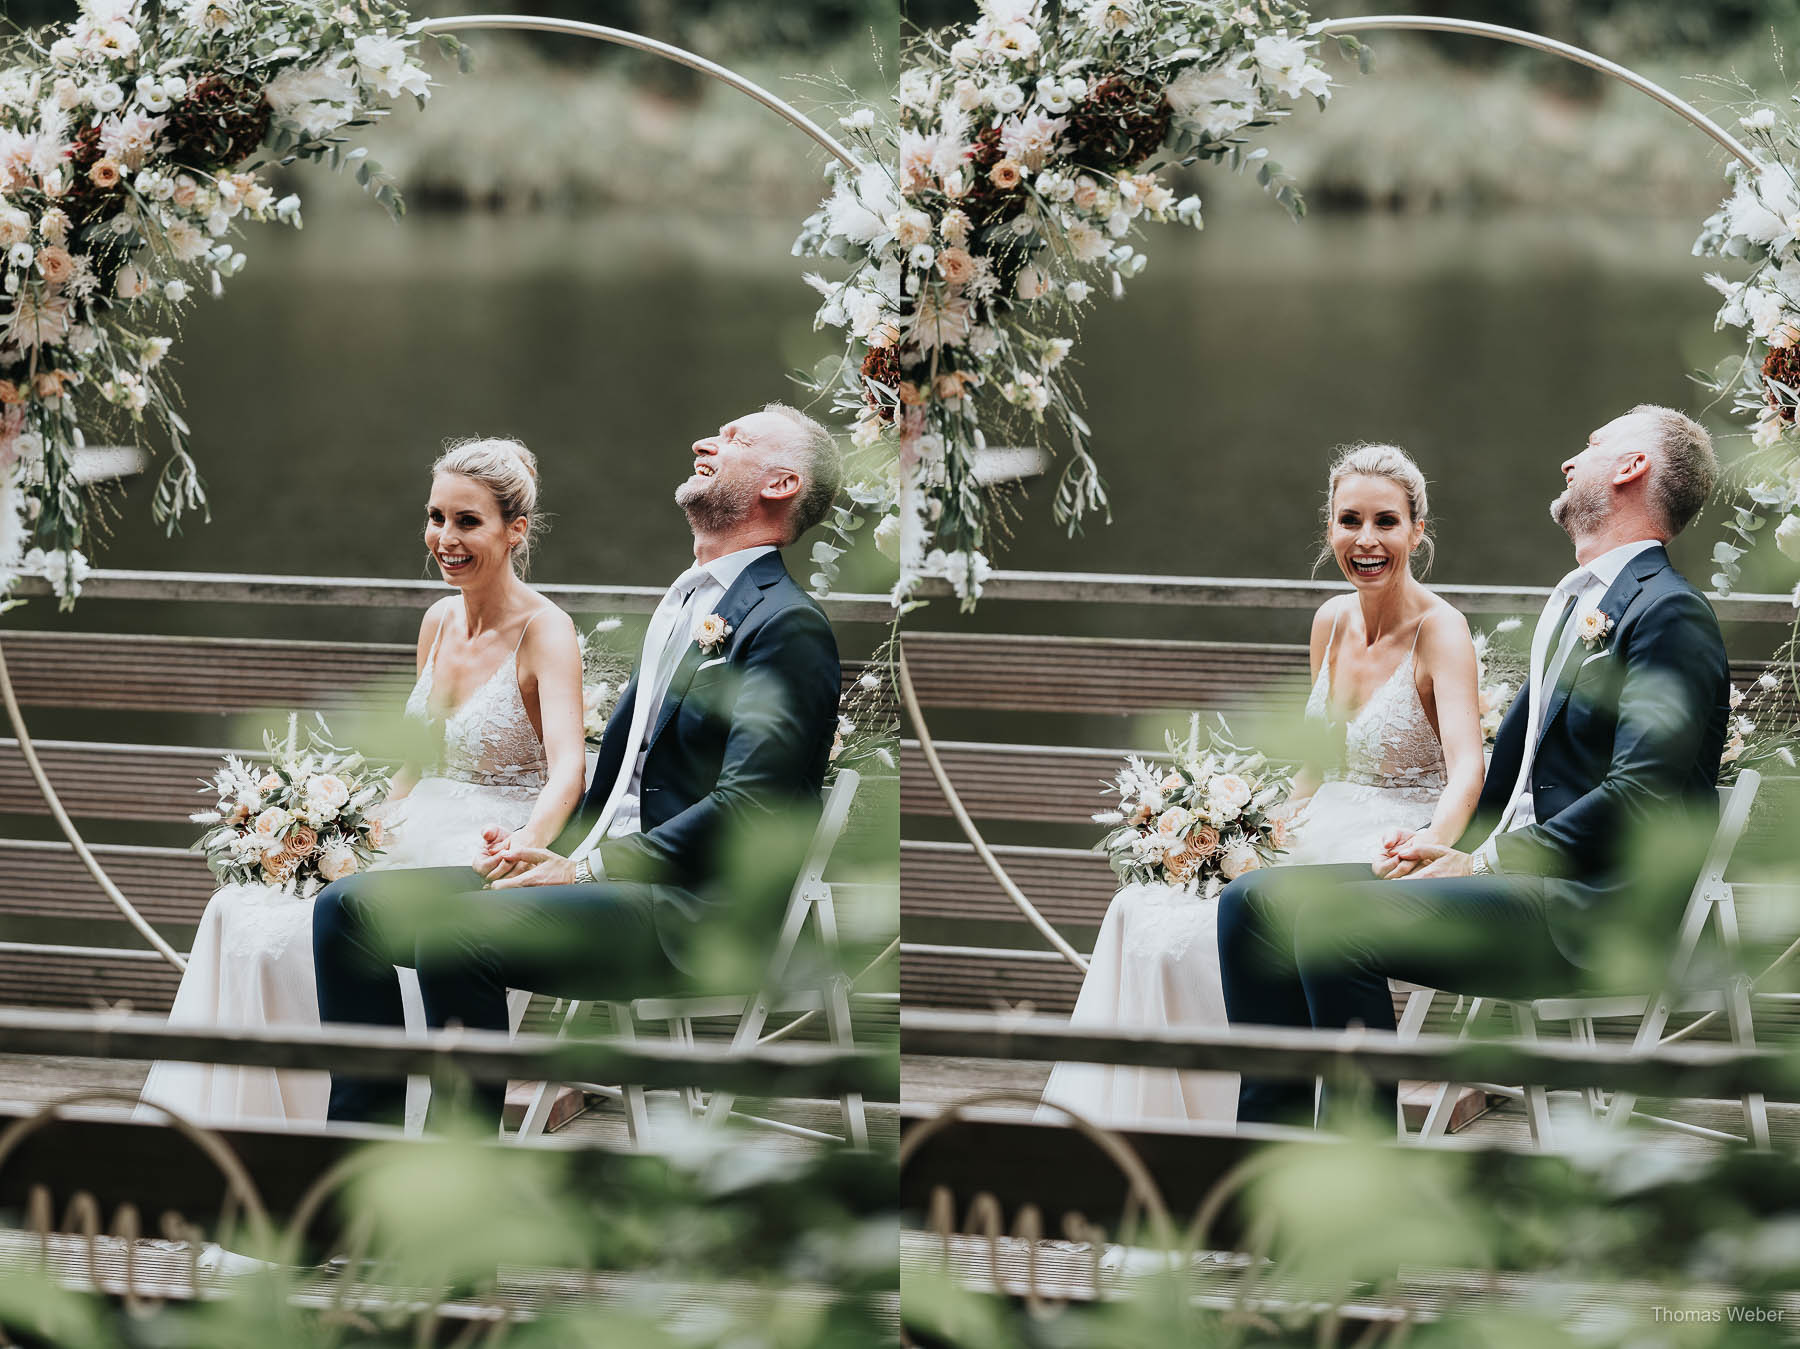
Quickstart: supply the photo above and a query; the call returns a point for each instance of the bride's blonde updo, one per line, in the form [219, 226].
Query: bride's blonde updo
[509, 471]
[1381, 461]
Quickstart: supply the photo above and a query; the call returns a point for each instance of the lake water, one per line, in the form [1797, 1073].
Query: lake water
[1487, 346]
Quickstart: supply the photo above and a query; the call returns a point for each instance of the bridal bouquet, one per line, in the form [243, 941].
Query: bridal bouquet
[1212, 814]
[300, 821]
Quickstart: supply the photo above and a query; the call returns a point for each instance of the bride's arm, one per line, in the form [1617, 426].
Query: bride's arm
[551, 657]
[403, 781]
[1448, 655]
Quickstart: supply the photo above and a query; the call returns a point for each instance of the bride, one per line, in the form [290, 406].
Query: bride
[1394, 709]
[499, 697]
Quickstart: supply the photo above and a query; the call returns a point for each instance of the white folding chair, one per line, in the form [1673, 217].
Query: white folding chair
[810, 898]
[1711, 900]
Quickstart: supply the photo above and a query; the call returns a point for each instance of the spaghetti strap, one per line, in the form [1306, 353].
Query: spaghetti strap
[1416, 632]
[522, 631]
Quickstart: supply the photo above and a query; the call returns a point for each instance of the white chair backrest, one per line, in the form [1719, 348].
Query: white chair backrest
[1735, 802]
[832, 818]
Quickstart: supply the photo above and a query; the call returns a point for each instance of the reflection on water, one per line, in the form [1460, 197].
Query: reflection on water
[324, 382]
[1488, 347]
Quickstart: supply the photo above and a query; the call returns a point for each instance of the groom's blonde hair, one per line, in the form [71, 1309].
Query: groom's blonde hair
[1684, 469]
[1363, 460]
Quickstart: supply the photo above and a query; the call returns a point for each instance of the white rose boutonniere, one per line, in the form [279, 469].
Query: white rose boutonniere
[1593, 628]
[710, 633]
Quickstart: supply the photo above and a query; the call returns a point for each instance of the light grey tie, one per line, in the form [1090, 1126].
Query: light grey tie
[663, 642]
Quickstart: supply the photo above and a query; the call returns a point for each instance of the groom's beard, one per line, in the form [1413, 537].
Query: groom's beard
[715, 505]
[1581, 510]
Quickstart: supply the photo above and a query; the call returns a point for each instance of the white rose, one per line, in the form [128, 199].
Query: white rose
[1787, 536]
[337, 860]
[1238, 858]
[271, 822]
[177, 291]
[131, 282]
[1078, 291]
[106, 97]
[1228, 793]
[327, 793]
[1031, 283]
[1006, 98]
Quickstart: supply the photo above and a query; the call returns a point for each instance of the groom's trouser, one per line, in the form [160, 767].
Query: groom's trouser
[1316, 946]
[469, 946]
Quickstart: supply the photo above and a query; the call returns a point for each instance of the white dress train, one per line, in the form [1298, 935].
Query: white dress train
[1156, 961]
[251, 963]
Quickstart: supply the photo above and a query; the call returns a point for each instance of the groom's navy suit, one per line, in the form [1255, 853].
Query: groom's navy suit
[1624, 800]
[734, 760]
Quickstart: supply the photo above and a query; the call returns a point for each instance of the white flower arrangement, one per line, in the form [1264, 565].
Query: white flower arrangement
[1498, 675]
[132, 145]
[1028, 155]
[1212, 814]
[306, 819]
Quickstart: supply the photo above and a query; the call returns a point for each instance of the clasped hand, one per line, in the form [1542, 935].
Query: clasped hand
[1415, 853]
[507, 865]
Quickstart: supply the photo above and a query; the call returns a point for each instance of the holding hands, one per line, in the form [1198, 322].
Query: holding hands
[507, 862]
[1417, 853]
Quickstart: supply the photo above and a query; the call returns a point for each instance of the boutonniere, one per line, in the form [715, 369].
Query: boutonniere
[710, 633]
[1593, 628]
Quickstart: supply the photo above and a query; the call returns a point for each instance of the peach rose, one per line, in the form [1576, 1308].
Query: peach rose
[956, 265]
[56, 264]
[302, 840]
[270, 781]
[10, 393]
[326, 795]
[1239, 858]
[1174, 820]
[1006, 175]
[104, 173]
[377, 833]
[278, 866]
[1087, 192]
[272, 821]
[337, 861]
[51, 384]
[1203, 842]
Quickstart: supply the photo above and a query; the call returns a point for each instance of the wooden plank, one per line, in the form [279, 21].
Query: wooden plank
[119, 1161]
[1246, 592]
[1085, 675]
[1034, 783]
[223, 675]
[1686, 1069]
[108, 583]
[803, 1071]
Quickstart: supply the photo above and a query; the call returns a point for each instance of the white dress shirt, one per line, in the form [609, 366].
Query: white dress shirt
[721, 574]
[1588, 584]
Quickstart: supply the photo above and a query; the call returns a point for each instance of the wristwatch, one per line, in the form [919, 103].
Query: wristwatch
[584, 874]
[1478, 865]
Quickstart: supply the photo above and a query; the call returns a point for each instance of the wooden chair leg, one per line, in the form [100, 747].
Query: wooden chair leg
[637, 1108]
[1737, 1012]
[681, 1031]
[837, 1018]
[1443, 1105]
[1537, 1100]
[1581, 1030]
[543, 1097]
[1412, 1019]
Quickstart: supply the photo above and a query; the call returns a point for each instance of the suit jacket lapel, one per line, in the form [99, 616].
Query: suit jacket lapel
[1613, 605]
[744, 595]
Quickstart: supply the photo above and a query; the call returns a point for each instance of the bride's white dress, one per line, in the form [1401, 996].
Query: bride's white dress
[1156, 961]
[251, 963]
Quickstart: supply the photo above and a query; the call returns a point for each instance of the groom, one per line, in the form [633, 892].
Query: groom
[718, 745]
[1598, 804]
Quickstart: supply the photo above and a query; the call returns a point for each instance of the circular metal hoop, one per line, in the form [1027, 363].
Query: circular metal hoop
[1330, 28]
[519, 22]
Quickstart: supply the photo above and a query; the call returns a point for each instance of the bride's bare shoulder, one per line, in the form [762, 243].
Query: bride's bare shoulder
[1445, 629]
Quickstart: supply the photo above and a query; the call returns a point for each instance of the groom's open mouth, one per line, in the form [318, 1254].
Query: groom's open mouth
[702, 469]
[1370, 566]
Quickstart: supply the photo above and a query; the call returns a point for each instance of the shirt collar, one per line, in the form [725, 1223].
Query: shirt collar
[726, 569]
[1605, 569]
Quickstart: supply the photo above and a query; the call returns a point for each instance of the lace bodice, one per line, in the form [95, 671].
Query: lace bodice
[1389, 742]
[489, 740]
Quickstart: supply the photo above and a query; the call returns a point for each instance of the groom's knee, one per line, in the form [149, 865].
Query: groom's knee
[1240, 915]
[335, 918]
